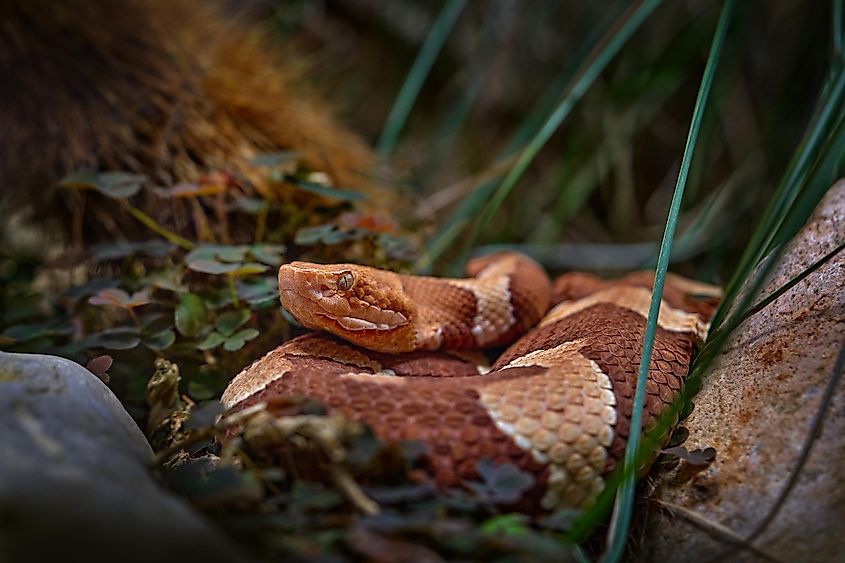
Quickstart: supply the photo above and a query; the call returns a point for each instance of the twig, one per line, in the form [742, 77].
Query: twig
[150, 223]
[351, 490]
[717, 529]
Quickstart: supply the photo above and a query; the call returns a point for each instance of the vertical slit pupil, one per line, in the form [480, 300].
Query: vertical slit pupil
[345, 281]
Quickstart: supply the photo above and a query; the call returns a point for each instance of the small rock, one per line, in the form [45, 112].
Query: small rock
[75, 483]
[755, 407]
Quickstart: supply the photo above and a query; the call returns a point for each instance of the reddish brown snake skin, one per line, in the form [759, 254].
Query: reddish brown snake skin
[557, 401]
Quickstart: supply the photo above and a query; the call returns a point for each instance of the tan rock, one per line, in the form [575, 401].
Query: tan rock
[756, 407]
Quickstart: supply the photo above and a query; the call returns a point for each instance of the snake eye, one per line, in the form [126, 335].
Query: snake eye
[345, 281]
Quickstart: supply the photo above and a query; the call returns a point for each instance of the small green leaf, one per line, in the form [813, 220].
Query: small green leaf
[237, 340]
[159, 340]
[312, 235]
[122, 249]
[327, 234]
[191, 316]
[170, 280]
[262, 292]
[119, 184]
[88, 288]
[212, 267]
[231, 253]
[506, 524]
[230, 321]
[113, 296]
[116, 297]
[270, 254]
[249, 268]
[221, 252]
[25, 332]
[500, 483]
[112, 184]
[213, 340]
[119, 338]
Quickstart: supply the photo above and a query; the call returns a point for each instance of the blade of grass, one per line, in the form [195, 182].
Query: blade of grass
[820, 174]
[418, 73]
[718, 337]
[623, 508]
[820, 177]
[575, 192]
[477, 73]
[631, 22]
[470, 205]
[706, 227]
[836, 32]
[787, 190]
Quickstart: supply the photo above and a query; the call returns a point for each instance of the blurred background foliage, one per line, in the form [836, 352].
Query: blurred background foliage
[606, 176]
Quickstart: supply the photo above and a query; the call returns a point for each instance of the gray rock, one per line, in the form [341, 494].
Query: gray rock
[756, 407]
[74, 477]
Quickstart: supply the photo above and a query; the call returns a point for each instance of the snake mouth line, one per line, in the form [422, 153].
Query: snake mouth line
[355, 324]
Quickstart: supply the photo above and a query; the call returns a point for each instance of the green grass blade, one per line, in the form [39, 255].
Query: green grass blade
[623, 508]
[537, 116]
[836, 39]
[418, 73]
[788, 189]
[563, 109]
[463, 214]
[822, 175]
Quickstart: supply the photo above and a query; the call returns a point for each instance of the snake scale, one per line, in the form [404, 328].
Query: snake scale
[556, 403]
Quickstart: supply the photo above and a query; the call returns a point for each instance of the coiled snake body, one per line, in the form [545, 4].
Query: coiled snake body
[557, 402]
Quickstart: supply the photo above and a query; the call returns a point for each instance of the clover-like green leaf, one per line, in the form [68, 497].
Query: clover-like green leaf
[501, 483]
[212, 266]
[191, 315]
[31, 331]
[239, 339]
[270, 254]
[327, 234]
[229, 322]
[159, 340]
[118, 338]
[232, 259]
[116, 250]
[213, 340]
[170, 280]
[117, 297]
[249, 268]
[221, 252]
[118, 185]
[260, 292]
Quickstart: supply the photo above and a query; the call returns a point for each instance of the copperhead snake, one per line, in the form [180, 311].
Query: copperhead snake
[556, 403]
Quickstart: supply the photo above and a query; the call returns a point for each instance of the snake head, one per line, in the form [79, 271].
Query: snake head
[362, 305]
